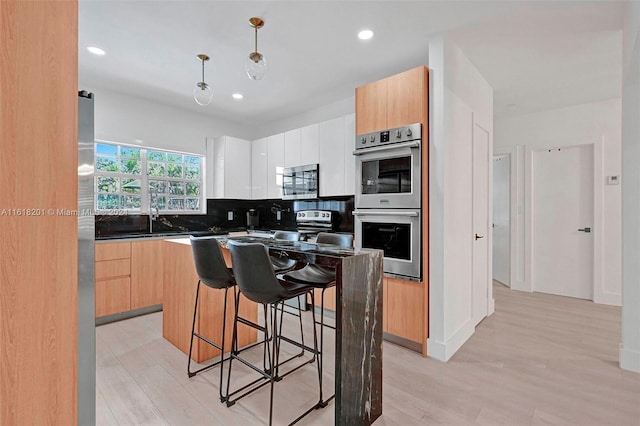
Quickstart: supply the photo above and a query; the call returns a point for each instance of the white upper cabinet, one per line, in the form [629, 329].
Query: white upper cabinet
[258, 169]
[226, 168]
[310, 152]
[349, 158]
[275, 164]
[292, 148]
[332, 146]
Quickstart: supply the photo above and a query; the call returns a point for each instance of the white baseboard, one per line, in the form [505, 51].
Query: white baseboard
[520, 286]
[629, 359]
[443, 351]
[608, 299]
[492, 306]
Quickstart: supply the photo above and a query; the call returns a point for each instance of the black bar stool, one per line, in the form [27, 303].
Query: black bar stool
[321, 277]
[257, 281]
[212, 272]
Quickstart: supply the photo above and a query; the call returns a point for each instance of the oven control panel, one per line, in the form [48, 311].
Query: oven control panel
[408, 133]
[314, 216]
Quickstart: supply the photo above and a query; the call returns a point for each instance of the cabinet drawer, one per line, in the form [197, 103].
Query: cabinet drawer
[109, 251]
[404, 308]
[113, 268]
[113, 296]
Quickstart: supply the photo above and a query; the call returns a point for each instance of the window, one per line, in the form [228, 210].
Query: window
[143, 179]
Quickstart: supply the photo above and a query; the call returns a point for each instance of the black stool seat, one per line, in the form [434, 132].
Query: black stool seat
[313, 275]
[282, 264]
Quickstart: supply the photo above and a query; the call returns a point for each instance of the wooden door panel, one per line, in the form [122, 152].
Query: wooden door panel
[405, 309]
[112, 296]
[147, 273]
[371, 107]
[406, 97]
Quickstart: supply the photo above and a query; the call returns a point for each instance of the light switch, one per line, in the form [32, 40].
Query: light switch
[230, 215]
[278, 215]
[613, 180]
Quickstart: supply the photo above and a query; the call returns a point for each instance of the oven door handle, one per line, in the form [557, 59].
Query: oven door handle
[412, 144]
[382, 213]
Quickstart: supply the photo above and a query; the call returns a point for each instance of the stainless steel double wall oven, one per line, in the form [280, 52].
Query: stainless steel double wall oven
[388, 197]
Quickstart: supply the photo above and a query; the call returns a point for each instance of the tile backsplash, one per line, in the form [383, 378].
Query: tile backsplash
[229, 215]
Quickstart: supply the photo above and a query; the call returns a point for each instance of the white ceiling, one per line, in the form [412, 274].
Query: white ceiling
[535, 54]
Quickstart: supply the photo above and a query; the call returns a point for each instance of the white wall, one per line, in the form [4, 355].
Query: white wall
[126, 119]
[459, 98]
[595, 123]
[630, 347]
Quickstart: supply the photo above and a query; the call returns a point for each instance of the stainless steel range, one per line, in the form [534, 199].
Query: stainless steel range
[310, 222]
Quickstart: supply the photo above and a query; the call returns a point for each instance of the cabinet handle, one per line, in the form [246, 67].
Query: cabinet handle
[479, 236]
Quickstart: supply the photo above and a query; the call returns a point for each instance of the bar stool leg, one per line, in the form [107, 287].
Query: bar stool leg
[193, 329]
[234, 340]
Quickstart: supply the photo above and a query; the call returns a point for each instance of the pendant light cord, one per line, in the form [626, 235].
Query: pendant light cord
[256, 50]
[203, 83]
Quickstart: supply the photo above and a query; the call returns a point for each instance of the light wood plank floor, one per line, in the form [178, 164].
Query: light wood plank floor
[538, 360]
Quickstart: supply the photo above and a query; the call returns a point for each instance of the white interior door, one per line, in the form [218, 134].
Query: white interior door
[480, 223]
[562, 221]
[501, 225]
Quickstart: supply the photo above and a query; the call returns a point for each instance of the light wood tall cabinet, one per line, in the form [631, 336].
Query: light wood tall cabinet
[396, 101]
[39, 254]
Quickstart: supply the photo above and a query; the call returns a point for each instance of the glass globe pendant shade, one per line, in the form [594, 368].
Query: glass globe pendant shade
[202, 94]
[256, 66]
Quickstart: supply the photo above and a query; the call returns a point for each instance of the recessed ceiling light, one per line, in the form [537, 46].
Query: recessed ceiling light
[237, 96]
[96, 50]
[365, 34]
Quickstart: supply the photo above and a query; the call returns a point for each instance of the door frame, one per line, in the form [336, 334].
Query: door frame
[598, 188]
[512, 203]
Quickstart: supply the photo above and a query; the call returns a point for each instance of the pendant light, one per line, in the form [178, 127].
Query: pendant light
[202, 94]
[256, 62]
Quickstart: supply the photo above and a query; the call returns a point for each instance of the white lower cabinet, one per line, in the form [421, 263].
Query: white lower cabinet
[227, 175]
[258, 169]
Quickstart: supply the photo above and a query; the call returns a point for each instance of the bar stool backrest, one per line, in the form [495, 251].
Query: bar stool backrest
[343, 240]
[254, 273]
[287, 235]
[210, 265]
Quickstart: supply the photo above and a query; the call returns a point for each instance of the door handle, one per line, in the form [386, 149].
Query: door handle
[479, 236]
[586, 229]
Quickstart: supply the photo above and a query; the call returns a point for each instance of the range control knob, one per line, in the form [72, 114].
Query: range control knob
[398, 134]
[409, 133]
[372, 138]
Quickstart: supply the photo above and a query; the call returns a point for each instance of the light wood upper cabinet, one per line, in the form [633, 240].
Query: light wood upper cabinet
[371, 107]
[227, 175]
[394, 101]
[259, 169]
[147, 273]
[406, 97]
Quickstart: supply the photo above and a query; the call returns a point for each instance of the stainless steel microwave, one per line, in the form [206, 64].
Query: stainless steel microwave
[300, 183]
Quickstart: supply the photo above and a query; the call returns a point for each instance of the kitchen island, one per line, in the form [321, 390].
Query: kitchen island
[359, 290]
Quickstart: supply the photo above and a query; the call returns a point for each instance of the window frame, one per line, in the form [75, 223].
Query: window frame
[145, 205]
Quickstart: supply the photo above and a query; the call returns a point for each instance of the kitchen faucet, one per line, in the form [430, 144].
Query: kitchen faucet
[153, 194]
